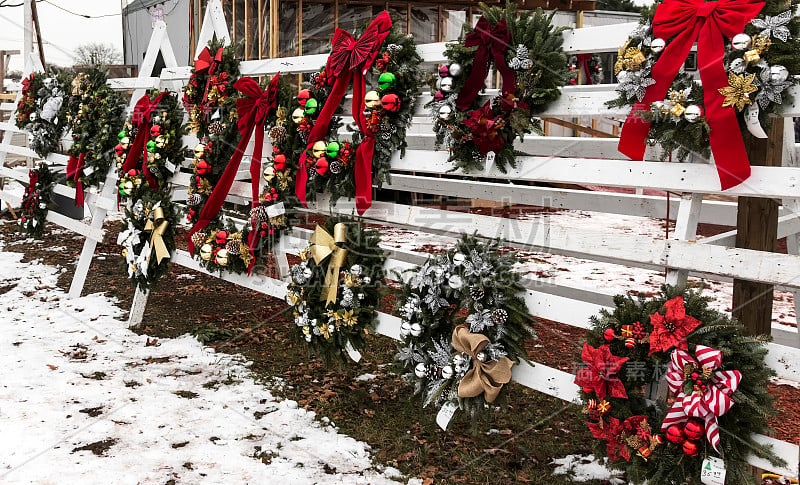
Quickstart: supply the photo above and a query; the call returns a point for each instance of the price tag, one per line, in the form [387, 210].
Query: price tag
[489, 164]
[713, 471]
[88, 171]
[276, 210]
[446, 414]
[170, 166]
[751, 120]
[353, 353]
[34, 222]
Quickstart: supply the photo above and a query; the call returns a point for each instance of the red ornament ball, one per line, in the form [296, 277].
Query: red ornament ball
[693, 429]
[119, 149]
[630, 342]
[279, 162]
[674, 434]
[391, 102]
[608, 334]
[303, 96]
[691, 448]
[203, 167]
[132, 172]
[155, 130]
[321, 166]
[222, 237]
[444, 71]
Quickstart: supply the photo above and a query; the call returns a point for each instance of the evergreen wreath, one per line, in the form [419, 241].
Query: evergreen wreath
[464, 324]
[591, 65]
[96, 116]
[336, 288]
[642, 429]
[37, 200]
[760, 63]
[533, 67]
[42, 109]
[393, 84]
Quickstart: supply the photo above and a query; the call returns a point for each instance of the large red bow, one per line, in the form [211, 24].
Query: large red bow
[350, 58]
[253, 110]
[75, 172]
[706, 404]
[492, 43]
[142, 117]
[206, 63]
[708, 23]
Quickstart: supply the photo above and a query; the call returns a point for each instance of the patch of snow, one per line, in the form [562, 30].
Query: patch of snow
[582, 468]
[84, 400]
[55, 249]
[366, 377]
[780, 381]
[185, 276]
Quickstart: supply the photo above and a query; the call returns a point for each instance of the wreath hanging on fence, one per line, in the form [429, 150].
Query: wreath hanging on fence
[464, 326]
[383, 59]
[525, 49]
[96, 116]
[42, 109]
[715, 379]
[589, 65]
[336, 288]
[745, 82]
[36, 200]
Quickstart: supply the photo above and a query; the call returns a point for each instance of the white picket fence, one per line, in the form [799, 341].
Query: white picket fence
[562, 160]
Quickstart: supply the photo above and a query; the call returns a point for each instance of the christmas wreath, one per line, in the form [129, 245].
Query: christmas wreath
[388, 62]
[714, 378]
[336, 288]
[525, 48]
[464, 326]
[591, 65]
[42, 109]
[744, 79]
[96, 116]
[36, 200]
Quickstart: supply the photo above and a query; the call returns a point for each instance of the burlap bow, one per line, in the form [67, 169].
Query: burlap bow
[157, 226]
[485, 377]
[324, 246]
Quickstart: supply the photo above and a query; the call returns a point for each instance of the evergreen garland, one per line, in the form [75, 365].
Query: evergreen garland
[37, 200]
[42, 110]
[334, 329]
[389, 112]
[638, 361]
[96, 116]
[678, 122]
[472, 284]
[539, 64]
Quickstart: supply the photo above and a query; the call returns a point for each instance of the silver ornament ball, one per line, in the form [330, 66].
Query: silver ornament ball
[481, 356]
[447, 372]
[455, 282]
[405, 329]
[741, 41]
[420, 370]
[693, 113]
[455, 69]
[778, 73]
[416, 330]
[658, 45]
[459, 258]
[445, 112]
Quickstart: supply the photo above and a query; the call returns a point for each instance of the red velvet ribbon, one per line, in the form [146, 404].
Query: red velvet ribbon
[708, 23]
[583, 63]
[492, 44]
[350, 58]
[206, 63]
[75, 172]
[253, 110]
[142, 118]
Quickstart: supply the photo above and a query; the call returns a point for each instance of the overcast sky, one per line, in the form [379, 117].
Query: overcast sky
[63, 32]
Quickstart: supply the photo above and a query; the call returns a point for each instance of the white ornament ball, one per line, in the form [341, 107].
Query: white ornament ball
[741, 42]
[447, 372]
[405, 329]
[455, 69]
[778, 73]
[693, 113]
[33, 116]
[308, 338]
[416, 330]
[445, 112]
[622, 76]
[367, 280]
[43, 206]
[481, 356]
[458, 360]
[658, 45]
[446, 84]
[459, 258]
[356, 269]
[455, 282]
[420, 370]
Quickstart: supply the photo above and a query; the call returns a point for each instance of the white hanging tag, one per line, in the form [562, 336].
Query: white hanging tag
[713, 471]
[446, 414]
[489, 164]
[751, 120]
[170, 166]
[34, 222]
[276, 210]
[88, 171]
[352, 352]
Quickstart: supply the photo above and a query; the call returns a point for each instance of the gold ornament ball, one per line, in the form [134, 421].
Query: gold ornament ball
[222, 257]
[297, 116]
[318, 149]
[205, 252]
[125, 142]
[160, 141]
[269, 173]
[128, 187]
[199, 150]
[372, 99]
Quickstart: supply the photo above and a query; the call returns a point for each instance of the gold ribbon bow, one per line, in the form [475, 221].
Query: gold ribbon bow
[157, 226]
[323, 246]
[485, 377]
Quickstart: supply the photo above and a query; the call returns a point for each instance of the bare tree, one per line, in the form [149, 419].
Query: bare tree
[97, 53]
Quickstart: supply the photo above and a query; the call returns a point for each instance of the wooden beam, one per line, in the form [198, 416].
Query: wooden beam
[246, 30]
[35, 15]
[577, 127]
[260, 29]
[757, 228]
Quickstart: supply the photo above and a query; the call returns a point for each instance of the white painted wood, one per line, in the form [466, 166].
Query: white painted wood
[214, 24]
[685, 230]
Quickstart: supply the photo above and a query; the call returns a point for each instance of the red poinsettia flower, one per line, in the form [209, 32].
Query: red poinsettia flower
[484, 127]
[600, 373]
[672, 329]
[611, 431]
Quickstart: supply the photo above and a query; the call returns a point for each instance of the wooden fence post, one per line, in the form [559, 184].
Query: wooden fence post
[757, 228]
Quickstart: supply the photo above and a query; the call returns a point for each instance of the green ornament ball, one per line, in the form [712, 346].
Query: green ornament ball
[122, 134]
[386, 81]
[151, 146]
[332, 150]
[310, 107]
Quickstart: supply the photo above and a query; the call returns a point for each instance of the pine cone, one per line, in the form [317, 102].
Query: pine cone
[277, 134]
[216, 128]
[259, 214]
[476, 293]
[499, 316]
[198, 239]
[194, 199]
[234, 246]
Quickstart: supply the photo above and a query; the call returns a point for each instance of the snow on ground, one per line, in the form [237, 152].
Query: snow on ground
[607, 278]
[84, 400]
[582, 468]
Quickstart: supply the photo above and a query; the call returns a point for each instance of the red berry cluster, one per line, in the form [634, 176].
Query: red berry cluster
[382, 63]
[321, 80]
